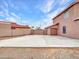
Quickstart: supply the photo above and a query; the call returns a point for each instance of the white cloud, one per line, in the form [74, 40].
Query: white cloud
[14, 15]
[63, 2]
[1, 13]
[11, 19]
[25, 22]
[46, 6]
[46, 22]
[4, 8]
[56, 12]
[53, 14]
[5, 3]
[43, 23]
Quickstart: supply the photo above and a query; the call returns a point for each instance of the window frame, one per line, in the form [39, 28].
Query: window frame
[64, 30]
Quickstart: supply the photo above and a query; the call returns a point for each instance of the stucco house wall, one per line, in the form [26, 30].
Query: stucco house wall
[51, 30]
[72, 28]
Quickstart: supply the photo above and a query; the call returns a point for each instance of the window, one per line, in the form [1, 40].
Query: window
[66, 14]
[64, 29]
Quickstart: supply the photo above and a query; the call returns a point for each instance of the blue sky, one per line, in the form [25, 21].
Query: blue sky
[32, 12]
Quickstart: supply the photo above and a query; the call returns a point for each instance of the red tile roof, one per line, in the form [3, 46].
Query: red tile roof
[14, 25]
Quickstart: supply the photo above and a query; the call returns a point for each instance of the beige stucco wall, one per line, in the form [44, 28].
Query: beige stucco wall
[45, 31]
[77, 0]
[38, 32]
[5, 29]
[27, 31]
[39, 53]
[71, 25]
[49, 31]
[17, 32]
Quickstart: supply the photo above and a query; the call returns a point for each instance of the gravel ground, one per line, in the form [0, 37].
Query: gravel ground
[39, 53]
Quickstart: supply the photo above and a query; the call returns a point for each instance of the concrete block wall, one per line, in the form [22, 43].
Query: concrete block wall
[49, 31]
[45, 31]
[38, 32]
[27, 31]
[5, 30]
[17, 32]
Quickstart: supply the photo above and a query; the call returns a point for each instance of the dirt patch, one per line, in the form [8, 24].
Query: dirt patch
[39, 53]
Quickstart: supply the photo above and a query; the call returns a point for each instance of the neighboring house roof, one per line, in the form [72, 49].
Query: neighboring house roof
[14, 25]
[66, 9]
[52, 26]
[48, 27]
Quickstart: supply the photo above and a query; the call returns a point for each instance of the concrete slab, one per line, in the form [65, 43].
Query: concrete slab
[39, 41]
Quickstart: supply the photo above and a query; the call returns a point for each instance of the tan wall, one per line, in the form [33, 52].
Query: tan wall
[5, 30]
[39, 53]
[27, 31]
[45, 31]
[77, 0]
[49, 31]
[38, 32]
[17, 32]
[71, 25]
